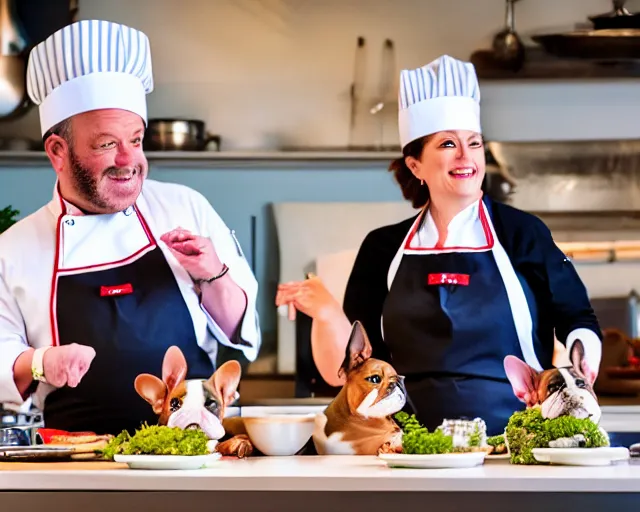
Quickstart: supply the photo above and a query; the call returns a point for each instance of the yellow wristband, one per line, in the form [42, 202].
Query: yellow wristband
[37, 367]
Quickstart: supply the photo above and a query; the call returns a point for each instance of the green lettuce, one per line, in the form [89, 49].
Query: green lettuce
[528, 429]
[158, 440]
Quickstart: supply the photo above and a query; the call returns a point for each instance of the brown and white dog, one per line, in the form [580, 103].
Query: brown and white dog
[565, 391]
[195, 403]
[359, 419]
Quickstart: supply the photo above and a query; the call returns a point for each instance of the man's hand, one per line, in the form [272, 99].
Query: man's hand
[195, 253]
[67, 364]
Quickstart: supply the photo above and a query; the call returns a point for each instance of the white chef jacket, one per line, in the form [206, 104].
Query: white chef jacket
[27, 253]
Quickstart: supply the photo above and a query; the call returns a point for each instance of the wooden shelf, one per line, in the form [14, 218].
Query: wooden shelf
[539, 65]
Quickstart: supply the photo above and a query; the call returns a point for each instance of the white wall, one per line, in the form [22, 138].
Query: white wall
[268, 72]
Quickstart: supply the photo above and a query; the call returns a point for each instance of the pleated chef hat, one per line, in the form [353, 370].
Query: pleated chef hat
[443, 95]
[89, 65]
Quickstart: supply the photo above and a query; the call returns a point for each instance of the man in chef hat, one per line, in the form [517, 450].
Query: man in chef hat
[116, 268]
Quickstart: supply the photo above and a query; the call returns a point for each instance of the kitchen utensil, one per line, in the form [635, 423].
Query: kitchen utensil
[609, 44]
[357, 88]
[508, 49]
[178, 135]
[14, 100]
[387, 76]
[619, 17]
[40, 452]
[386, 80]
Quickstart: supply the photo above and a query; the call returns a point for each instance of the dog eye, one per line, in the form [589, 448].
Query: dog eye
[580, 383]
[374, 379]
[211, 405]
[553, 388]
[175, 404]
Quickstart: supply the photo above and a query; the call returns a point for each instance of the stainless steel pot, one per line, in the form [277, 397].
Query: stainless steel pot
[178, 135]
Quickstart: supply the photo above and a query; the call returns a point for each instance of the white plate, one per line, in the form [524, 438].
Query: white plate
[444, 460]
[603, 456]
[167, 461]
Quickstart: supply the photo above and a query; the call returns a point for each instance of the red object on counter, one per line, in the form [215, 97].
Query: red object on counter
[44, 435]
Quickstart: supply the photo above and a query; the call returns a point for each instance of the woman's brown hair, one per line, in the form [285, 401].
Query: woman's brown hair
[412, 189]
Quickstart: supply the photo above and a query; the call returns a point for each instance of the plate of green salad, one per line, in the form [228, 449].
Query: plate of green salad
[161, 447]
[454, 444]
[532, 439]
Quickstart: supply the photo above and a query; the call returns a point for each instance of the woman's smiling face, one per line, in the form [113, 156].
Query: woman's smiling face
[452, 165]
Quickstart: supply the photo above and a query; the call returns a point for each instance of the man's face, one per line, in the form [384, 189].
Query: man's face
[105, 164]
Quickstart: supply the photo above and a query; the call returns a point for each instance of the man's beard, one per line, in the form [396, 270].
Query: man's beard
[86, 183]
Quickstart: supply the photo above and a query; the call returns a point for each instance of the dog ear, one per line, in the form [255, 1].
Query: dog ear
[225, 381]
[358, 348]
[174, 368]
[576, 356]
[153, 390]
[523, 378]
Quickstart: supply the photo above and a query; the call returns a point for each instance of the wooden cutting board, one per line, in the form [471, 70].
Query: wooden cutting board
[55, 466]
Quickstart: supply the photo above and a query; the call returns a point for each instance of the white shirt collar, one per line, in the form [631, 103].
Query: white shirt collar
[464, 230]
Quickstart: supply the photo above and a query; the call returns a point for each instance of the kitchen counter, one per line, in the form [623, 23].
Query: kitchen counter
[321, 483]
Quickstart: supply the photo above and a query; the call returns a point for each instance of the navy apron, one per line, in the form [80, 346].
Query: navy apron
[130, 313]
[448, 324]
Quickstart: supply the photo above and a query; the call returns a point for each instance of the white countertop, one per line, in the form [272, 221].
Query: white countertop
[335, 473]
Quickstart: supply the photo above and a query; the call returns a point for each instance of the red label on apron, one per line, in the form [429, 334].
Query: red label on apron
[111, 291]
[460, 279]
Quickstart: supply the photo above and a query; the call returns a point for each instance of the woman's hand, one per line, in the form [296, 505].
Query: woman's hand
[310, 297]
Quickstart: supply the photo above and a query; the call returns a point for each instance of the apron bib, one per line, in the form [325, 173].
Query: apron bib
[448, 323]
[129, 309]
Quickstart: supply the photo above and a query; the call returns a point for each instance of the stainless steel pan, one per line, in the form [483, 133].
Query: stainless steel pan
[178, 135]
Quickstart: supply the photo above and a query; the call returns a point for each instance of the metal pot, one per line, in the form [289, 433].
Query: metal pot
[178, 135]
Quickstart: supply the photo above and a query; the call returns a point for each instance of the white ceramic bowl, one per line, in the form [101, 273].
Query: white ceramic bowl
[279, 434]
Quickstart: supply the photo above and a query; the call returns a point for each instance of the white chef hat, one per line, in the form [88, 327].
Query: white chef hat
[89, 65]
[443, 95]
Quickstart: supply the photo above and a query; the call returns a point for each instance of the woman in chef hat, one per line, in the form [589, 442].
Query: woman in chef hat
[446, 295]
